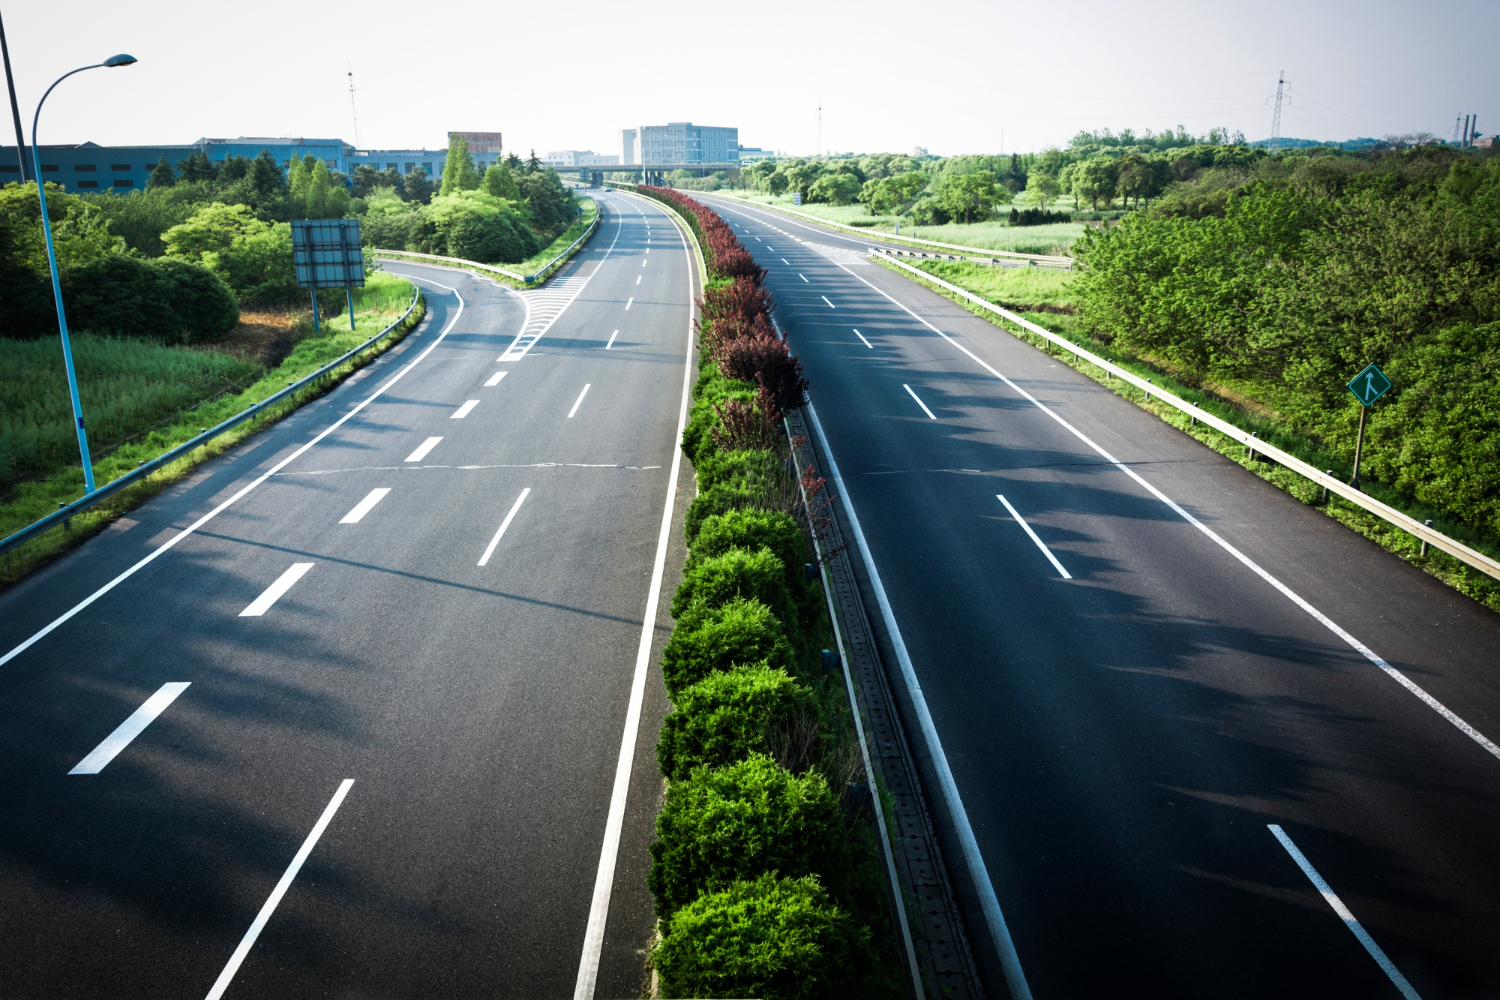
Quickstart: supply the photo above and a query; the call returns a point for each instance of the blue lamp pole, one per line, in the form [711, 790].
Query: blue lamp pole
[62, 319]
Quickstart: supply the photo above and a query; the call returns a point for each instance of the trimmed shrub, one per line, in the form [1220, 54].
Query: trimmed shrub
[697, 437]
[738, 821]
[747, 467]
[747, 528]
[716, 500]
[739, 573]
[729, 715]
[774, 938]
[161, 299]
[706, 640]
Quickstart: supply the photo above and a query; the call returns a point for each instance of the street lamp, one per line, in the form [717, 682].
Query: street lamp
[62, 320]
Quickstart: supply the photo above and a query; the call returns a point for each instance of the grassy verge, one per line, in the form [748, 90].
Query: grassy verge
[1054, 239]
[376, 307]
[1045, 299]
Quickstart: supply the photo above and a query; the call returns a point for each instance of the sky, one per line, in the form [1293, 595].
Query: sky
[953, 76]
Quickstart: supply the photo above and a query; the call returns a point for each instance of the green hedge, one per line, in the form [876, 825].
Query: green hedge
[749, 529]
[738, 821]
[773, 938]
[162, 299]
[739, 573]
[731, 714]
[739, 632]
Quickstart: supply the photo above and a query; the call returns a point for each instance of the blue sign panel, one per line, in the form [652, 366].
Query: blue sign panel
[327, 253]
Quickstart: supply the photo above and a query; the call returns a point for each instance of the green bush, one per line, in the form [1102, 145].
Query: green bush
[729, 715]
[738, 821]
[747, 528]
[697, 438]
[773, 938]
[717, 499]
[708, 639]
[738, 573]
[162, 299]
[746, 465]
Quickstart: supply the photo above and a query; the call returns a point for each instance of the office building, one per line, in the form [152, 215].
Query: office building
[684, 142]
[627, 146]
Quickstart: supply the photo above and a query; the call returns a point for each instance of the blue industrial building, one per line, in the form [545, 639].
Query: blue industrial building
[89, 168]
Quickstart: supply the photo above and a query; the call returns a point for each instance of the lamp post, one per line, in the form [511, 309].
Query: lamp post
[62, 319]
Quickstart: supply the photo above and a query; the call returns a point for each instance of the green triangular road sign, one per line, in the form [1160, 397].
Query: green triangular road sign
[1369, 385]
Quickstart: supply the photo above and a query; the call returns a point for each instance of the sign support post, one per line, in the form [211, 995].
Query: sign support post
[1368, 386]
[328, 253]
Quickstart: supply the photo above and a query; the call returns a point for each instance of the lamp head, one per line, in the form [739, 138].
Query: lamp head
[120, 60]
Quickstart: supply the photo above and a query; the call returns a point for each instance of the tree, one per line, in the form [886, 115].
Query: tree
[325, 198]
[1067, 179]
[1095, 179]
[893, 195]
[969, 197]
[533, 163]
[298, 176]
[514, 162]
[835, 189]
[162, 175]
[1135, 177]
[552, 206]
[1044, 188]
[501, 182]
[458, 169]
[416, 187]
[197, 167]
[368, 180]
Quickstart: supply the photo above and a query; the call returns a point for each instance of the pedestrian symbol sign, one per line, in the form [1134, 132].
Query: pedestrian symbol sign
[1369, 385]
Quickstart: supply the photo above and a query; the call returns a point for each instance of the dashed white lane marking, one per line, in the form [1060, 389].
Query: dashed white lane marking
[803, 277]
[273, 593]
[1045, 551]
[489, 549]
[130, 728]
[930, 415]
[825, 299]
[494, 379]
[579, 401]
[465, 410]
[627, 303]
[1332, 899]
[264, 916]
[611, 340]
[638, 278]
[423, 449]
[365, 506]
[789, 264]
[862, 337]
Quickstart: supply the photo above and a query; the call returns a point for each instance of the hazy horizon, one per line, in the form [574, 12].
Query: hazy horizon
[1019, 79]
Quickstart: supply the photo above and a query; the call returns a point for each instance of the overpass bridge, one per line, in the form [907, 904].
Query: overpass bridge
[650, 173]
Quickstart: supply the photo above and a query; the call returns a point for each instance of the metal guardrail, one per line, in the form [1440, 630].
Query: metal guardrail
[1364, 501]
[527, 279]
[146, 468]
[1050, 260]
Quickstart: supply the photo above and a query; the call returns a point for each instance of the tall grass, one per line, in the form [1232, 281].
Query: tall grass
[152, 415]
[1021, 289]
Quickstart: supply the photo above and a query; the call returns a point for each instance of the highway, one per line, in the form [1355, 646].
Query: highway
[342, 713]
[1203, 741]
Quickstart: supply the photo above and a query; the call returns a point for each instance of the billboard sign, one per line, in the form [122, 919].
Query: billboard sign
[326, 253]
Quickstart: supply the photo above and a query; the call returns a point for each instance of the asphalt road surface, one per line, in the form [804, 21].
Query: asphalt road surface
[391, 654]
[1172, 698]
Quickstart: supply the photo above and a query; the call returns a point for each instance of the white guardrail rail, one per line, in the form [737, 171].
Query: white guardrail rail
[1048, 260]
[527, 279]
[1411, 525]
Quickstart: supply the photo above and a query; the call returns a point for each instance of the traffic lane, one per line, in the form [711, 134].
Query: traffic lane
[1356, 583]
[1386, 692]
[343, 679]
[1401, 613]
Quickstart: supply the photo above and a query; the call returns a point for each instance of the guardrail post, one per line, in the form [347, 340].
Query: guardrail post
[1427, 523]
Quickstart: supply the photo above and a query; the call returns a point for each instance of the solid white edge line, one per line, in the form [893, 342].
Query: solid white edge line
[1411, 686]
[923, 405]
[1010, 961]
[132, 727]
[276, 590]
[465, 410]
[862, 337]
[825, 299]
[611, 342]
[1039, 544]
[1344, 914]
[489, 549]
[192, 528]
[593, 938]
[494, 380]
[365, 506]
[423, 449]
[261, 918]
[579, 401]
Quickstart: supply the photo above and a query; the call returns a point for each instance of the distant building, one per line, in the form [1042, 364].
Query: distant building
[578, 158]
[684, 142]
[89, 168]
[628, 146]
[748, 153]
